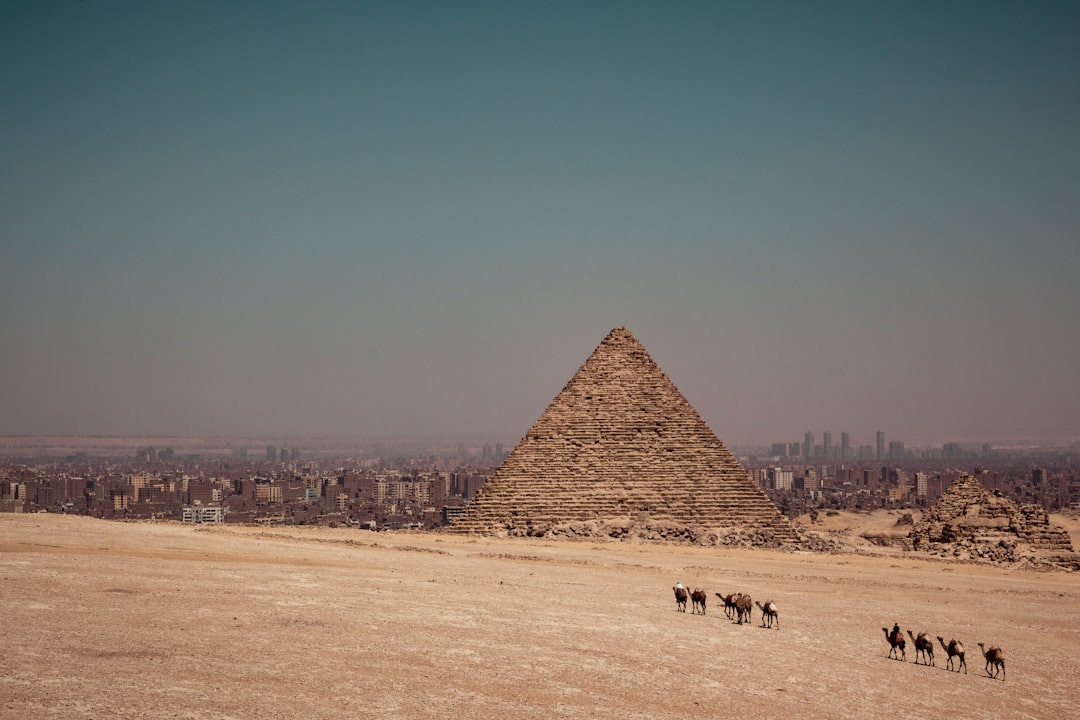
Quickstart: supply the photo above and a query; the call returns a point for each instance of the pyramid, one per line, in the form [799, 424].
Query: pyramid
[621, 453]
[970, 522]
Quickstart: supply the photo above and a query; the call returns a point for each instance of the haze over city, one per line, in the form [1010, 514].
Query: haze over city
[418, 220]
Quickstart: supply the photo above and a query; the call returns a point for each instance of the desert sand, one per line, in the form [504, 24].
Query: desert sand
[161, 620]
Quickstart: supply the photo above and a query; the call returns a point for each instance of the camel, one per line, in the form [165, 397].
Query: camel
[995, 657]
[680, 598]
[768, 610]
[924, 646]
[729, 604]
[698, 598]
[955, 649]
[743, 607]
[896, 640]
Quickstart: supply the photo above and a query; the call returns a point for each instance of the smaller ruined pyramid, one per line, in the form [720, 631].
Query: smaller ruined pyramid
[970, 522]
[621, 453]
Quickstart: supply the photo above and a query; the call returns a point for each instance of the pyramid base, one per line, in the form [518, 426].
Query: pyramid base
[656, 531]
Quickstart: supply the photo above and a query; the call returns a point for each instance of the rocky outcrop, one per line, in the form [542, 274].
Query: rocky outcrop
[620, 453]
[970, 522]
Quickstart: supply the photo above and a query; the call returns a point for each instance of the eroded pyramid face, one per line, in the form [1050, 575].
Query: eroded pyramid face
[620, 446]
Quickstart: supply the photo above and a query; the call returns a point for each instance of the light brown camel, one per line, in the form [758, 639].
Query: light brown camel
[995, 657]
[769, 611]
[698, 598]
[897, 642]
[743, 607]
[924, 646]
[955, 649]
[680, 598]
[729, 604]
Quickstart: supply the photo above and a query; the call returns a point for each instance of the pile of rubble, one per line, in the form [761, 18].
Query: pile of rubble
[659, 531]
[969, 522]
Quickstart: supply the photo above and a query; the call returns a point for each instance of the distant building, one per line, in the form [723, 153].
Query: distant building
[780, 479]
[267, 492]
[450, 513]
[922, 484]
[200, 514]
[880, 445]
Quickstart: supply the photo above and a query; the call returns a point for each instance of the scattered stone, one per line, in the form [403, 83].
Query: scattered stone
[970, 522]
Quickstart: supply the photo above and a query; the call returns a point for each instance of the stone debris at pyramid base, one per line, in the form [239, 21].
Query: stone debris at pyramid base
[656, 532]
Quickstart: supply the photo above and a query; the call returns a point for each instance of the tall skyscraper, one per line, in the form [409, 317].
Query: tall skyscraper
[880, 445]
[826, 445]
[845, 446]
[808, 445]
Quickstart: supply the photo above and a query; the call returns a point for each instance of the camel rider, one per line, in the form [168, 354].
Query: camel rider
[679, 586]
[896, 630]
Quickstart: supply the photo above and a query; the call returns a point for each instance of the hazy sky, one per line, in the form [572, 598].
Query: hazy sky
[365, 219]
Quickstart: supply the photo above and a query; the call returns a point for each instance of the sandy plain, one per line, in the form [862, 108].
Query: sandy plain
[160, 620]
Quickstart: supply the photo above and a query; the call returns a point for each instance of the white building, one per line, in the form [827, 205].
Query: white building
[199, 514]
[781, 479]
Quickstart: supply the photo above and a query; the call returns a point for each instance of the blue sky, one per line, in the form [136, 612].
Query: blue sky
[418, 219]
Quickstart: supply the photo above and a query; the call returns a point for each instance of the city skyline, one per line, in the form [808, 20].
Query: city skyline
[267, 220]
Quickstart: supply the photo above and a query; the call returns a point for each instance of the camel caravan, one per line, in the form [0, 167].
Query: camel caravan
[738, 607]
[954, 650]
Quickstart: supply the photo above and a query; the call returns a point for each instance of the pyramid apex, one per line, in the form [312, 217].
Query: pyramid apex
[621, 333]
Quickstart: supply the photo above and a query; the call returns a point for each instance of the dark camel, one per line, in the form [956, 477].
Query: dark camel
[995, 657]
[680, 598]
[698, 598]
[896, 640]
[924, 646]
[955, 649]
[729, 604]
[743, 607]
[769, 611]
